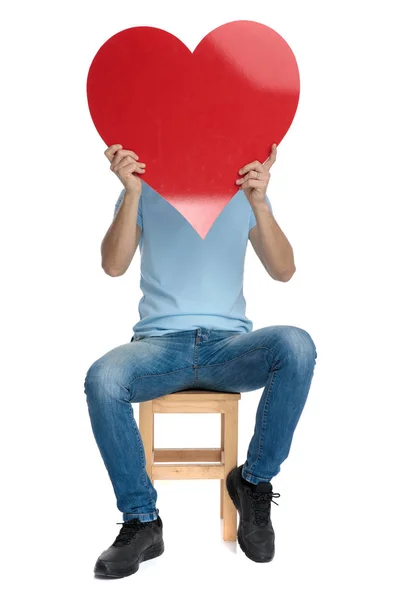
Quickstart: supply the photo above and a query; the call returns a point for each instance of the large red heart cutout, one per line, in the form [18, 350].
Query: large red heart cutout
[195, 118]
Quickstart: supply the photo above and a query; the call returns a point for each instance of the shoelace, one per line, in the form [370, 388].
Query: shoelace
[129, 531]
[262, 505]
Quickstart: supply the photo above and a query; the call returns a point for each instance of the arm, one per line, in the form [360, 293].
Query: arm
[122, 238]
[267, 238]
[271, 245]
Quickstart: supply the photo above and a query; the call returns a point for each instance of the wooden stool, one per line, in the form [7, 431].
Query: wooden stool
[195, 401]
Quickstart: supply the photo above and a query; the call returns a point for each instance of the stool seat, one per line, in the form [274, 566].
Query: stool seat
[212, 463]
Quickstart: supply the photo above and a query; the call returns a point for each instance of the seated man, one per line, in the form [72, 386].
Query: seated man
[193, 333]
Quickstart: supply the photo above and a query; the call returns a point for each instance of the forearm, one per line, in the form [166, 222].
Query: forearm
[276, 251]
[119, 244]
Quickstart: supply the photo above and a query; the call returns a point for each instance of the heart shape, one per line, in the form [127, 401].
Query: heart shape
[195, 118]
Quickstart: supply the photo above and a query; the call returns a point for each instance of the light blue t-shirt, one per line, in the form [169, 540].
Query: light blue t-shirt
[188, 282]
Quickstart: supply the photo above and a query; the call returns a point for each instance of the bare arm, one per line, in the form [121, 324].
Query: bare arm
[271, 245]
[122, 238]
[269, 242]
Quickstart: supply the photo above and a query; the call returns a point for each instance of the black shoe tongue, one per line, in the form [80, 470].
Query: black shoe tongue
[263, 486]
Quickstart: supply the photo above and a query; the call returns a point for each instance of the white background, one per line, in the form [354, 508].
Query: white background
[335, 192]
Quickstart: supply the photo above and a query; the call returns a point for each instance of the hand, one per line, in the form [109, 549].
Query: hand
[256, 178]
[124, 164]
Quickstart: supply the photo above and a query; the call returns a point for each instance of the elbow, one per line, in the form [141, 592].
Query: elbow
[286, 275]
[112, 272]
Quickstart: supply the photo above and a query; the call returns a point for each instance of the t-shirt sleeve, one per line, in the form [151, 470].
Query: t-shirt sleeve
[252, 221]
[139, 219]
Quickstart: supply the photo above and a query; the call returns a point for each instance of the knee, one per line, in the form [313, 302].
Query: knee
[103, 382]
[94, 379]
[298, 345]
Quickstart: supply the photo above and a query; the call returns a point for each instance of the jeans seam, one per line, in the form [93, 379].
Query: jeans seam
[140, 443]
[236, 357]
[149, 514]
[266, 406]
[154, 375]
[195, 358]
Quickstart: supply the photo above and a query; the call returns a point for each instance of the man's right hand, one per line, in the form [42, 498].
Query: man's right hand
[124, 164]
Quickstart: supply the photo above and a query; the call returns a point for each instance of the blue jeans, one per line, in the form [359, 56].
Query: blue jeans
[278, 358]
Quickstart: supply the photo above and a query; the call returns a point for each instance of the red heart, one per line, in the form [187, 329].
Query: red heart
[195, 118]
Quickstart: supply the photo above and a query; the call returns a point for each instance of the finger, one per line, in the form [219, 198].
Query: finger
[255, 166]
[125, 160]
[250, 175]
[121, 152]
[111, 150]
[258, 175]
[252, 183]
[272, 157]
[129, 169]
[121, 155]
[128, 163]
[118, 161]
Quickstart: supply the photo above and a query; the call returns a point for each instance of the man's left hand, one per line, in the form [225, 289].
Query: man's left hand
[255, 178]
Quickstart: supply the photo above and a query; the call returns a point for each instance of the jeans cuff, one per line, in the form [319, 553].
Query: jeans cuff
[252, 478]
[143, 517]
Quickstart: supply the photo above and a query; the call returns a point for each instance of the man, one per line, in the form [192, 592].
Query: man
[193, 333]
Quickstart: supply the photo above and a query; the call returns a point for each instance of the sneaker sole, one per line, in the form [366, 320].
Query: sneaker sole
[103, 569]
[235, 499]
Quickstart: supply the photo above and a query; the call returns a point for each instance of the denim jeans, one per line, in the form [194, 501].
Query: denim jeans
[280, 359]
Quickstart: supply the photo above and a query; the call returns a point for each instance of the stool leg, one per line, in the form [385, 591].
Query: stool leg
[146, 428]
[222, 482]
[230, 452]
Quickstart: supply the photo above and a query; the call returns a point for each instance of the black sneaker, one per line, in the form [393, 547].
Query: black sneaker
[136, 542]
[255, 533]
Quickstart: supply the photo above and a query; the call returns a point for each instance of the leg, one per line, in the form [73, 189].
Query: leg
[146, 424]
[281, 404]
[133, 372]
[279, 358]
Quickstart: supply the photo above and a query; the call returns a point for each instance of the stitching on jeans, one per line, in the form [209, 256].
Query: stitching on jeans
[266, 406]
[198, 366]
[240, 356]
[140, 442]
[195, 358]
[156, 375]
[142, 514]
